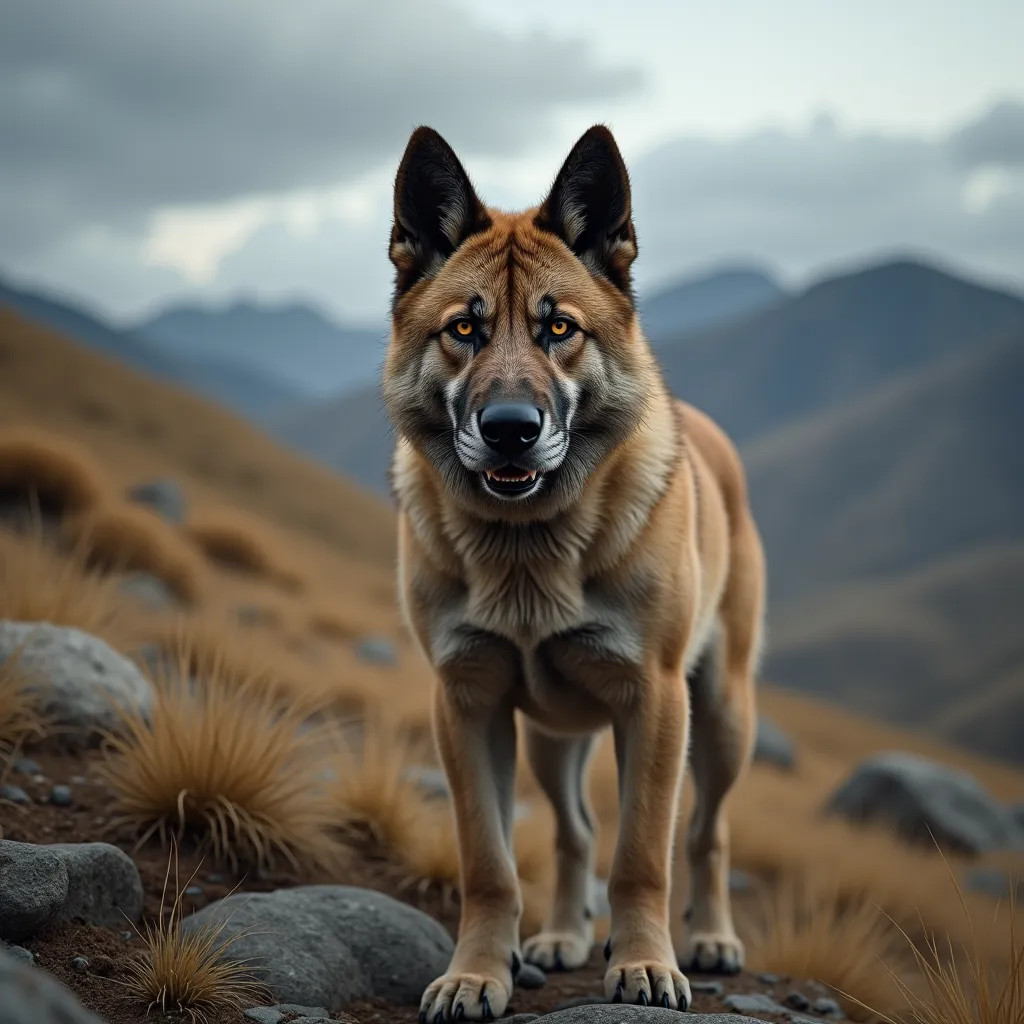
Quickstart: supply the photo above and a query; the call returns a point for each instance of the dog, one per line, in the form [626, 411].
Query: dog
[573, 544]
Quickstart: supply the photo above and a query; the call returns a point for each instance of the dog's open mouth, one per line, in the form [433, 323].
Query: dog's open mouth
[510, 481]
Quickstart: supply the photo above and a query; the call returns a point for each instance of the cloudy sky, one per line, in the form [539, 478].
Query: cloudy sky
[247, 147]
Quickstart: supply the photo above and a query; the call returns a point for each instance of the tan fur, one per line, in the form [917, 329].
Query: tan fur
[582, 608]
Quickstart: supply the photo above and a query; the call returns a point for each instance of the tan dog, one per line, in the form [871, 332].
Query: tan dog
[574, 544]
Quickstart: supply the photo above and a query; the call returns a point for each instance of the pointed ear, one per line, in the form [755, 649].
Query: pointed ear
[436, 209]
[589, 207]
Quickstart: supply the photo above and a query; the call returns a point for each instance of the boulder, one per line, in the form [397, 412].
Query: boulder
[33, 888]
[29, 995]
[82, 681]
[920, 799]
[326, 945]
[773, 746]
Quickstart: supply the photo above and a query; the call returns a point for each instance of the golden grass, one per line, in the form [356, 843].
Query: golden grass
[189, 973]
[807, 929]
[236, 542]
[48, 470]
[39, 585]
[230, 765]
[119, 537]
[21, 711]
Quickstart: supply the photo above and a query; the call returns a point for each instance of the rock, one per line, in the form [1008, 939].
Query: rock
[993, 882]
[520, 1018]
[26, 766]
[772, 745]
[304, 1011]
[14, 794]
[19, 953]
[377, 650]
[263, 1014]
[707, 988]
[81, 679]
[32, 996]
[150, 590]
[753, 1003]
[622, 1013]
[60, 796]
[331, 944]
[531, 976]
[163, 496]
[33, 888]
[768, 978]
[797, 1001]
[79, 963]
[920, 798]
[104, 886]
[828, 1007]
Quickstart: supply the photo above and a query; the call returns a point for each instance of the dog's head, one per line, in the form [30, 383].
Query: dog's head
[516, 363]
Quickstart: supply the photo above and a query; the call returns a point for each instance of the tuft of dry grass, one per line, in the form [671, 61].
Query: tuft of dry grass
[235, 542]
[189, 973]
[811, 930]
[982, 983]
[21, 711]
[119, 537]
[232, 764]
[49, 471]
[38, 585]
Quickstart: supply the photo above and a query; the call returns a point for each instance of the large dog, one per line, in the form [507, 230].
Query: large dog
[573, 544]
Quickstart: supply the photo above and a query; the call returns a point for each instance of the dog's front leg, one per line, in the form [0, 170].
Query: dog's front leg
[477, 744]
[650, 745]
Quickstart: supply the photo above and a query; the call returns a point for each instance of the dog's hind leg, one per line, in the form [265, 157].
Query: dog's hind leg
[560, 765]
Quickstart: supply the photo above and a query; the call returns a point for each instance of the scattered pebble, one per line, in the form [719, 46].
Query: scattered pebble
[752, 1003]
[768, 978]
[38, 779]
[707, 988]
[78, 780]
[80, 963]
[531, 976]
[15, 794]
[20, 953]
[26, 766]
[827, 1006]
[194, 890]
[60, 796]
[798, 1001]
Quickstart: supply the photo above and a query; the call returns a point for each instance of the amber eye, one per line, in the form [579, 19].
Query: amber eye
[463, 328]
[560, 328]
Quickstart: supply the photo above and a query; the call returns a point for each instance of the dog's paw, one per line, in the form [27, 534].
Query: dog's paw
[461, 996]
[557, 951]
[647, 983]
[716, 953]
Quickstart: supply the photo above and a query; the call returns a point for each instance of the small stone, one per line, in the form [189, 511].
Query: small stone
[26, 766]
[14, 794]
[79, 963]
[740, 881]
[378, 650]
[531, 976]
[768, 978]
[127, 936]
[707, 988]
[60, 796]
[194, 890]
[828, 1007]
[38, 779]
[798, 1001]
[263, 1014]
[78, 780]
[20, 953]
[753, 1003]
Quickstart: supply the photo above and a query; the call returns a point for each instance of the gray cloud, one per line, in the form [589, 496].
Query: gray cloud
[109, 110]
[996, 138]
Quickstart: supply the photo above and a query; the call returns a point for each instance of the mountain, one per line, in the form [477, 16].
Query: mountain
[236, 386]
[294, 344]
[708, 301]
[832, 342]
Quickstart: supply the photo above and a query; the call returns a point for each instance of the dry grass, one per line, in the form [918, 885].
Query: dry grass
[21, 711]
[809, 930]
[981, 983]
[39, 585]
[235, 542]
[189, 973]
[119, 537]
[49, 471]
[231, 765]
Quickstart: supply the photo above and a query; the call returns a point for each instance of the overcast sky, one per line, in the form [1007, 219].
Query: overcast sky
[247, 147]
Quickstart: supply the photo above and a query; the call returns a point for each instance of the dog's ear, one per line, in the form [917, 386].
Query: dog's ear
[436, 209]
[589, 207]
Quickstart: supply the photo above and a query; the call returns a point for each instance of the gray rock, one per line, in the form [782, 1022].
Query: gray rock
[768, 978]
[331, 944]
[798, 1018]
[919, 799]
[14, 794]
[707, 988]
[32, 996]
[148, 589]
[520, 1018]
[305, 1011]
[19, 953]
[994, 882]
[797, 1001]
[81, 679]
[61, 796]
[828, 1007]
[378, 650]
[80, 963]
[773, 746]
[33, 888]
[754, 1003]
[163, 496]
[312, 1020]
[620, 1013]
[531, 976]
[104, 886]
[263, 1014]
[26, 766]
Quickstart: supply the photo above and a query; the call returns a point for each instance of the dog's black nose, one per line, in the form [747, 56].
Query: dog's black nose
[510, 428]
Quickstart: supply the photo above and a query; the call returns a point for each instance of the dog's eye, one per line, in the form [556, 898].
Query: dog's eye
[562, 328]
[462, 329]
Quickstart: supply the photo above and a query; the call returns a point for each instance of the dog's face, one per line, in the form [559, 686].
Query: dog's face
[516, 364]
